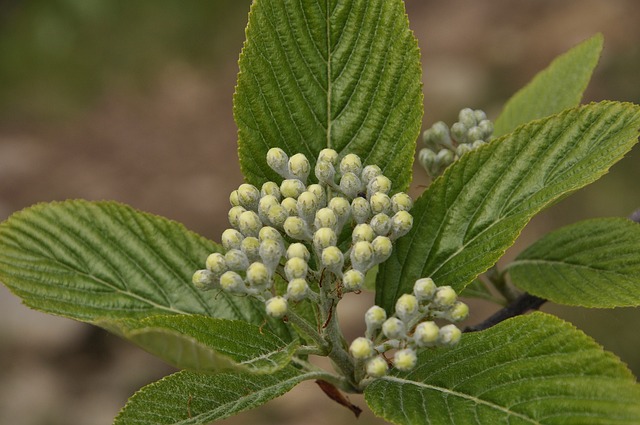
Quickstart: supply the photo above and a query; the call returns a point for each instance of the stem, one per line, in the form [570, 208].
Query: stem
[521, 305]
[305, 327]
[338, 354]
[496, 277]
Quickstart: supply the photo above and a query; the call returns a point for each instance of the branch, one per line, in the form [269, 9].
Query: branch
[520, 305]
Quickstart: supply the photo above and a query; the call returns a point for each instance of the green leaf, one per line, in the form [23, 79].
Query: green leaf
[188, 398]
[102, 261]
[467, 218]
[329, 74]
[558, 87]
[204, 344]
[533, 369]
[479, 289]
[593, 263]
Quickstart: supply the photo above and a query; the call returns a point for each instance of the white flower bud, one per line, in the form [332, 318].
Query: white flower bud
[362, 256]
[440, 135]
[325, 171]
[459, 132]
[380, 203]
[424, 289]
[333, 259]
[475, 133]
[297, 228]
[352, 280]
[251, 248]
[248, 195]
[350, 185]
[445, 297]
[375, 317]
[444, 158]
[480, 115]
[277, 215]
[463, 149]
[328, 155]
[393, 328]
[234, 215]
[361, 210]
[377, 367]
[351, 164]
[381, 224]
[236, 260]
[427, 159]
[292, 188]
[249, 223]
[369, 172]
[296, 268]
[426, 334]
[320, 193]
[299, 167]
[204, 280]
[268, 232]
[325, 217]
[379, 184]
[233, 199]
[307, 205]
[401, 223]
[276, 307]
[266, 203]
[290, 205]
[406, 307]
[401, 202]
[405, 359]
[361, 348]
[362, 232]
[382, 248]
[458, 312]
[216, 264]
[324, 238]
[467, 117]
[487, 129]
[298, 250]
[231, 239]
[270, 253]
[258, 275]
[449, 335]
[297, 289]
[277, 159]
[478, 143]
[232, 282]
[271, 189]
[342, 208]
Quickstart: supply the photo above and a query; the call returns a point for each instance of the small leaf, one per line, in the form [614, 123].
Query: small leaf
[533, 369]
[593, 263]
[558, 87]
[204, 344]
[334, 74]
[188, 398]
[467, 218]
[101, 261]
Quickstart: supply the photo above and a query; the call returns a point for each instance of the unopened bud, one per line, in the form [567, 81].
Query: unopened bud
[296, 268]
[362, 256]
[234, 215]
[204, 280]
[342, 208]
[379, 184]
[276, 307]
[291, 188]
[406, 307]
[248, 195]
[258, 275]
[424, 289]
[216, 264]
[290, 206]
[375, 317]
[377, 367]
[236, 260]
[370, 172]
[380, 203]
[351, 164]
[325, 217]
[467, 117]
[382, 248]
[277, 215]
[297, 228]
[297, 289]
[325, 171]
[393, 328]
[401, 202]
[352, 280]
[270, 253]
[328, 155]
[277, 159]
[426, 334]
[324, 238]
[362, 232]
[405, 359]
[232, 282]
[266, 203]
[299, 167]
[445, 296]
[320, 193]
[458, 312]
[361, 348]
[270, 188]
[381, 224]
[361, 210]
[307, 205]
[449, 335]
[401, 223]
[333, 259]
[249, 223]
[231, 239]
[298, 250]
[233, 199]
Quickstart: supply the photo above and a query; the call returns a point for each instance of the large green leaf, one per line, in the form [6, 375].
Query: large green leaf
[101, 261]
[467, 218]
[204, 344]
[533, 369]
[558, 87]
[343, 74]
[593, 263]
[187, 398]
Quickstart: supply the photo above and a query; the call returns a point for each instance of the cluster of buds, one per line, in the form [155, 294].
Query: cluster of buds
[296, 231]
[410, 329]
[444, 145]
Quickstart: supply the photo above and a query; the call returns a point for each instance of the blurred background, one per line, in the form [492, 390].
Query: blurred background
[132, 101]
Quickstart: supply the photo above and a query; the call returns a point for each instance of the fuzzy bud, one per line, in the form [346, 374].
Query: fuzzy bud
[459, 132]
[449, 335]
[475, 133]
[251, 248]
[324, 238]
[444, 158]
[427, 159]
[333, 259]
[248, 195]
[426, 334]
[325, 217]
[272, 189]
[298, 250]
[370, 172]
[204, 280]
[361, 348]
[458, 312]
[296, 268]
[277, 215]
[292, 188]
[393, 328]
[232, 282]
[487, 128]
[467, 117]
[233, 199]
[361, 210]
[299, 167]
[234, 215]
[406, 307]
[375, 317]
[463, 149]
[362, 232]
[297, 228]
[236, 260]
[290, 206]
[307, 205]
[266, 203]
[320, 193]
[278, 160]
[362, 256]
[377, 367]
[249, 223]
[401, 223]
[401, 202]
[216, 264]
[231, 239]
[325, 171]
[424, 289]
[379, 183]
[381, 224]
[276, 307]
[445, 297]
[351, 164]
[342, 208]
[382, 248]
[352, 280]
[297, 289]
[328, 155]
[405, 359]
[270, 253]
[380, 203]
[258, 275]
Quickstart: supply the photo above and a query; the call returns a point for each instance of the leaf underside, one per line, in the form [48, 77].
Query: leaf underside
[558, 87]
[333, 74]
[593, 263]
[468, 217]
[533, 369]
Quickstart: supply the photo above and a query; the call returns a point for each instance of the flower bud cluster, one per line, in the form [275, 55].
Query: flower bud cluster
[293, 230]
[410, 328]
[444, 145]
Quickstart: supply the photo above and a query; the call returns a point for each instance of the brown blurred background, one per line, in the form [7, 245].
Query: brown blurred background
[132, 101]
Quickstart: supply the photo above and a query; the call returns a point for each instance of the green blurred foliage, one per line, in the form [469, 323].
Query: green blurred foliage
[55, 55]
